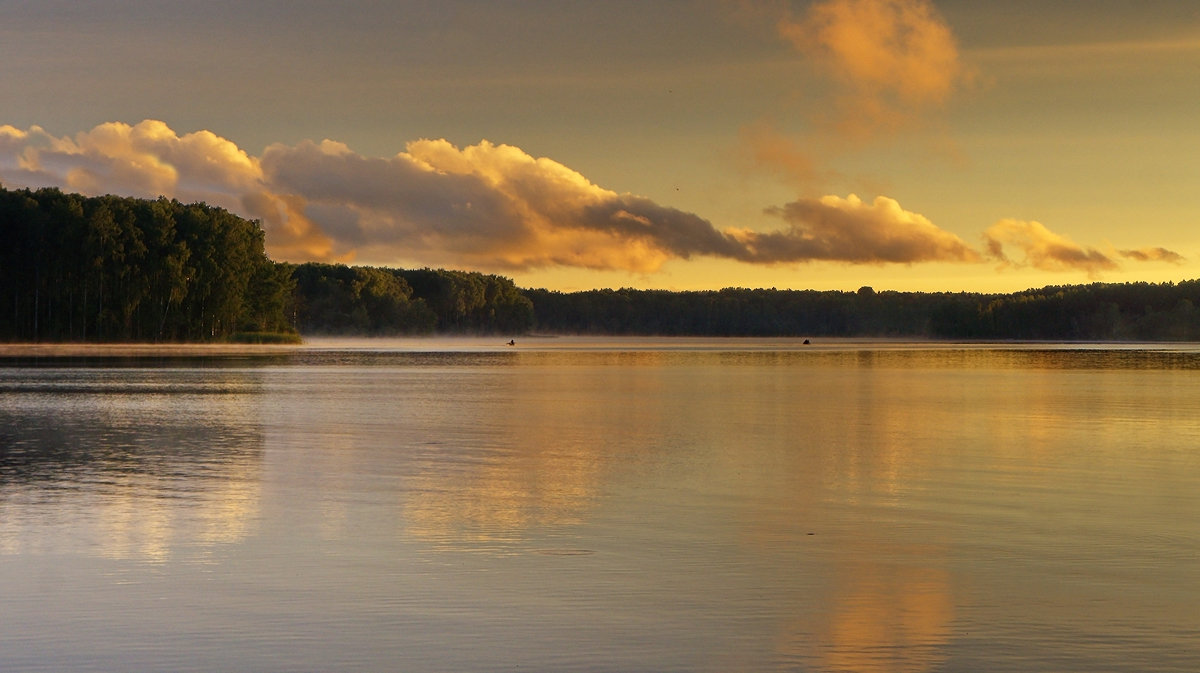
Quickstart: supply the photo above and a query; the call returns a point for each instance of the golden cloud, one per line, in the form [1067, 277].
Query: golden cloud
[489, 206]
[1153, 255]
[1042, 248]
[891, 59]
[485, 206]
[889, 63]
[145, 160]
[850, 230]
[291, 235]
[764, 146]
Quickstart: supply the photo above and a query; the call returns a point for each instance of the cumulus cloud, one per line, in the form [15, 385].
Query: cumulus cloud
[890, 59]
[485, 205]
[147, 159]
[1022, 243]
[490, 207]
[850, 230]
[291, 234]
[1042, 248]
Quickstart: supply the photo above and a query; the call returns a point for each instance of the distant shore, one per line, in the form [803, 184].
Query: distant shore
[11, 352]
[20, 350]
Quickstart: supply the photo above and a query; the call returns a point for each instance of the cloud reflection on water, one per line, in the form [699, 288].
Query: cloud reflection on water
[134, 464]
[720, 435]
[852, 509]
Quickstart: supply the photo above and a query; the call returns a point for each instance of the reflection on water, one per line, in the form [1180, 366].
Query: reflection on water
[126, 464]
[882, 618]
[604, 506]
[531, 477]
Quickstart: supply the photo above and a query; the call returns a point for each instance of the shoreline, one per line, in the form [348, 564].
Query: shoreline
[550, 343]
[20, 350]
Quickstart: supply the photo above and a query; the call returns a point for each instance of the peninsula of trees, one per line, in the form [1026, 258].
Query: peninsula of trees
[110, 268]
[75, 268]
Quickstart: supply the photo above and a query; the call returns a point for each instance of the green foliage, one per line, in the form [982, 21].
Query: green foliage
[1100, 311]
[108, 268]
[471, 302]
[339, 299]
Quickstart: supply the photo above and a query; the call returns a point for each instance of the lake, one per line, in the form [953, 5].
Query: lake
[577, 504]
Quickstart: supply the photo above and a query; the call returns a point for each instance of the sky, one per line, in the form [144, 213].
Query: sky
[958, 145]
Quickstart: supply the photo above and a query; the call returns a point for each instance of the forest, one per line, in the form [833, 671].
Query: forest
[335, 299]
[108, 268]
[116, 269]
[1095, 312]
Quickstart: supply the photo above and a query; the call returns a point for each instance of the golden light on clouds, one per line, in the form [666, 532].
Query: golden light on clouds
[850, 230]
[890, 66]
[293, 236]
[1042, 248]
[607, 146]
[890, 59]
[1153, 255]
[495, 207]
[793, 159]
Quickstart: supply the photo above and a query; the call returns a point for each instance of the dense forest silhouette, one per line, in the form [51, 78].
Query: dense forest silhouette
[119, 269]
[1095, 312]
[108, 268]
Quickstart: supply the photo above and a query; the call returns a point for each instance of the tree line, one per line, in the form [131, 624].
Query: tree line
[116, 269]
[1094, 312]
[110, 268]
[335, 299]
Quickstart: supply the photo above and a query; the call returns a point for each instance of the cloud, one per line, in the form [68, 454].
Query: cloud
[1153, 255]
[890, 60]
[889, 65]
[490, 207]
[849, 230]
[796, 161]
[1042, 248]
[291, 234]
[147, 159]
[486, 205]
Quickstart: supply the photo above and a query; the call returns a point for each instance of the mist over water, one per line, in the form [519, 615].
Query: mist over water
[571, 504]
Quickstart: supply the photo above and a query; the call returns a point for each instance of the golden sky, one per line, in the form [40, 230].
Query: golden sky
[902, 144]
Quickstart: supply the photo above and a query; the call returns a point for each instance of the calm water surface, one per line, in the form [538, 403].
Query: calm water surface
[602, 505]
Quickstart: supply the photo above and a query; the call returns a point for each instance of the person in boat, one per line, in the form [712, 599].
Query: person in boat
[512, 342]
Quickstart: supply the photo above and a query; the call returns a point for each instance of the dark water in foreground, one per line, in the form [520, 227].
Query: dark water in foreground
[588, 505]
